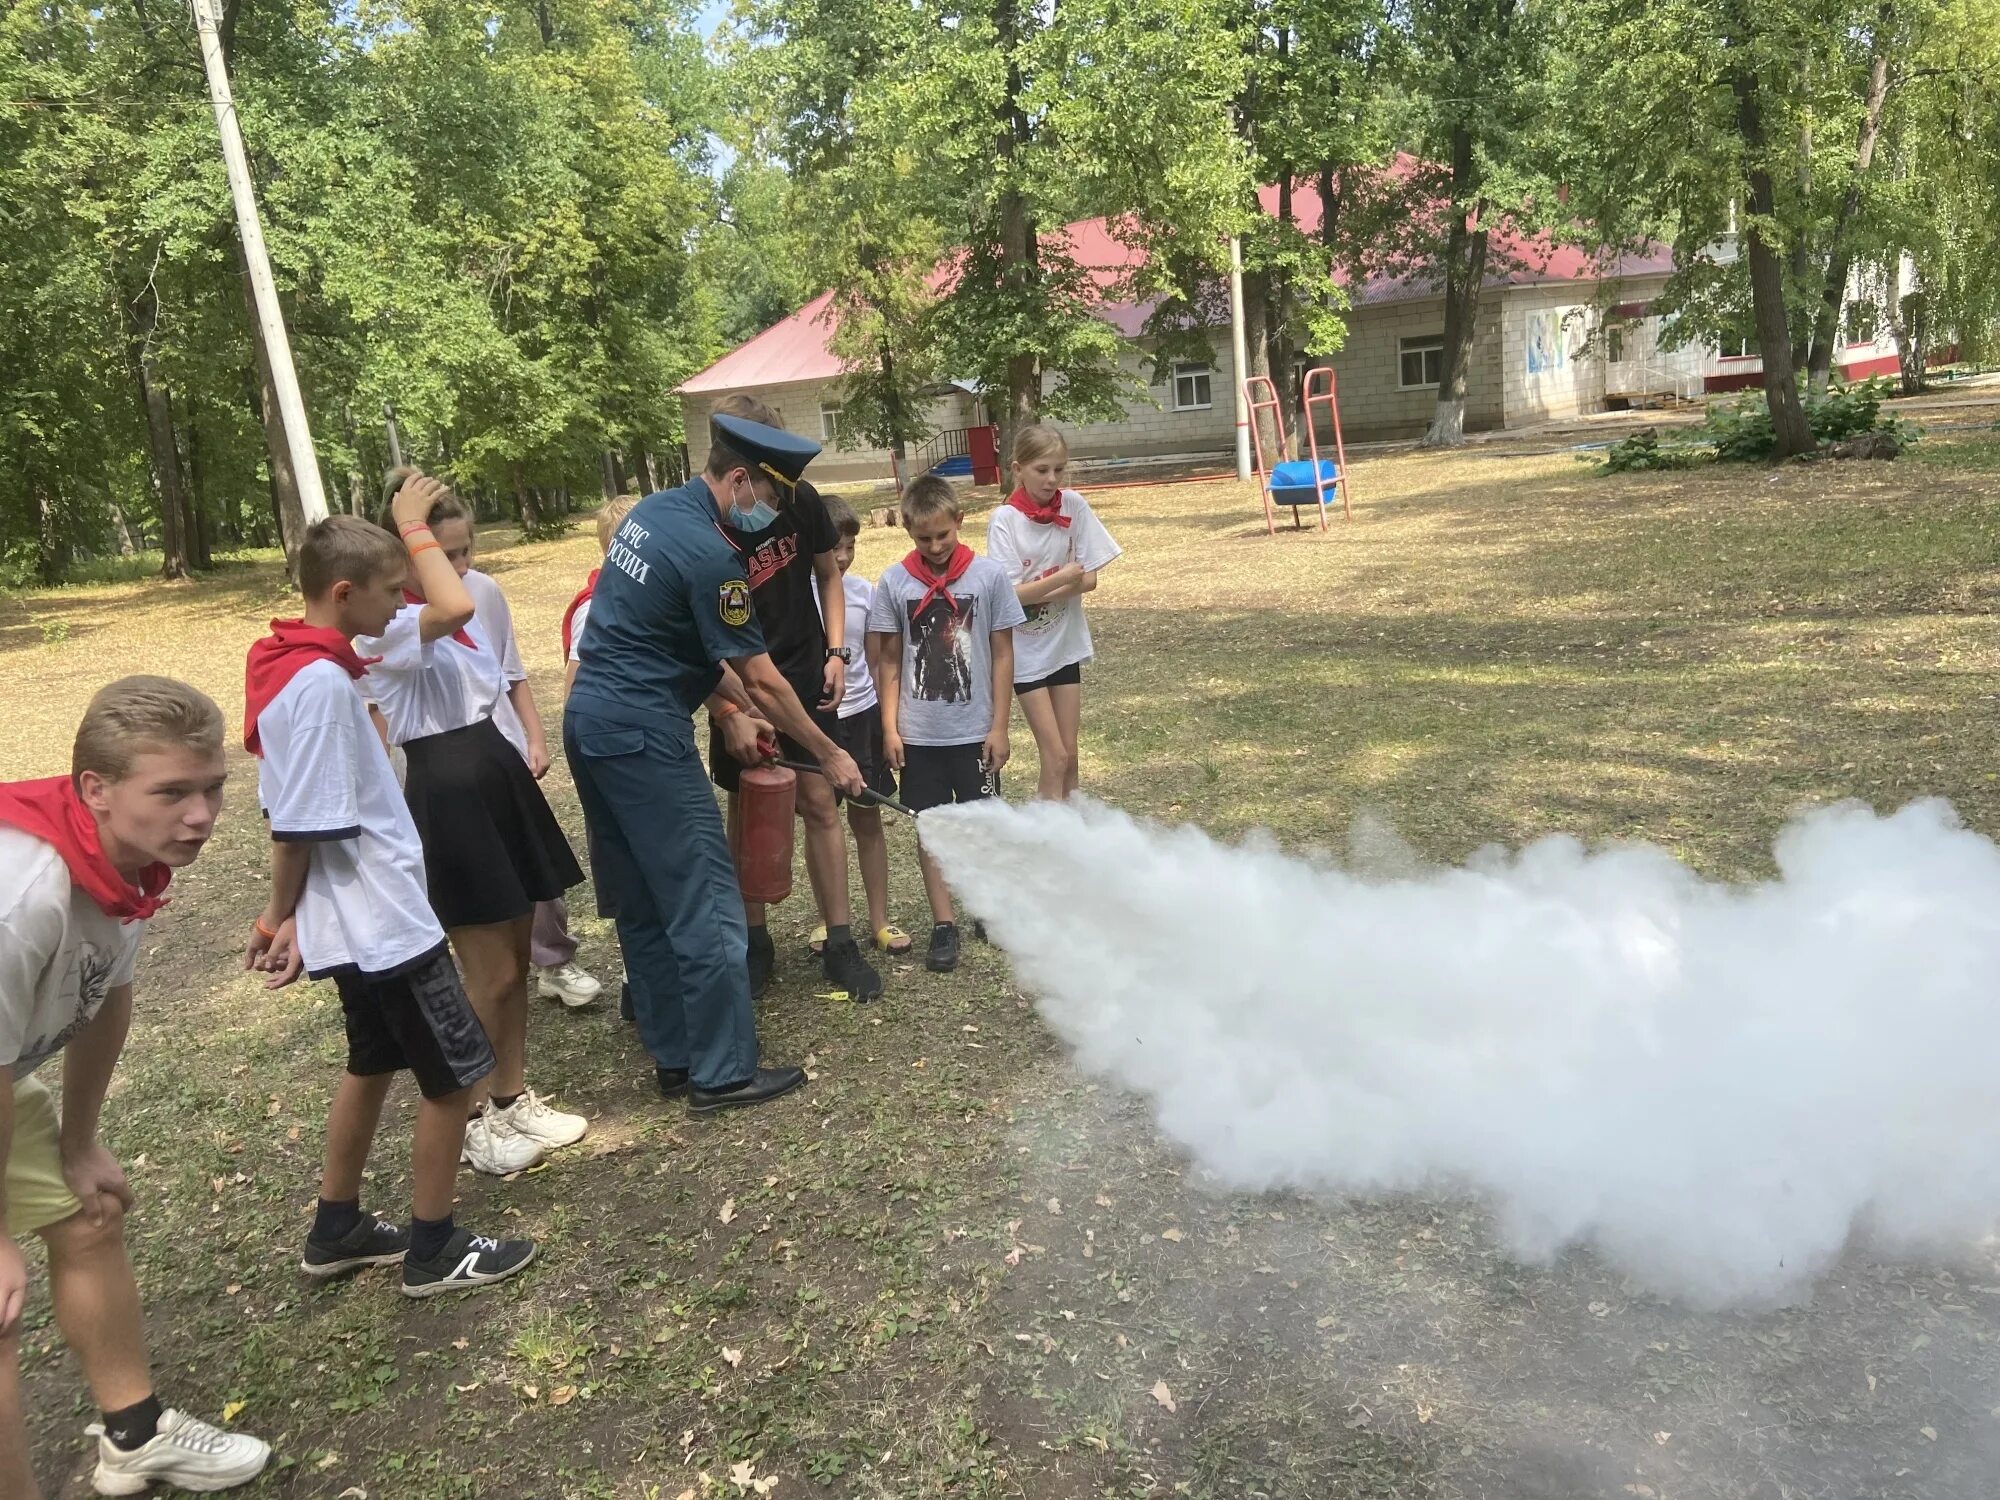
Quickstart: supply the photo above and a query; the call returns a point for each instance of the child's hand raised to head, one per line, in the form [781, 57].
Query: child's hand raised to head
[414, 500]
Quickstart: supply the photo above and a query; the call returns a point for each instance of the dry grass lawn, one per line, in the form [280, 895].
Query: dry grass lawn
[940, 1272]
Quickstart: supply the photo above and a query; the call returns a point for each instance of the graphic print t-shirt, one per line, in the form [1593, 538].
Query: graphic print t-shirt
[947, 681]
[60, 955]
[779, 563]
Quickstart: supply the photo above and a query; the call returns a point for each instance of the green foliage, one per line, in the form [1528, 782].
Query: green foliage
[1740, 431]
[1641, 453]
[500, 220]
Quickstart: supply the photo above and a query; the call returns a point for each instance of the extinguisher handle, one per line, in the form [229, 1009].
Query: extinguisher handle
[867, 796]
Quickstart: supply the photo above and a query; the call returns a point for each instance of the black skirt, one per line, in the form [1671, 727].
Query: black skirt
[492, 847]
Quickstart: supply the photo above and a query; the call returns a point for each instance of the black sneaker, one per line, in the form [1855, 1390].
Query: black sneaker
[979, 932]
[372, 1241]
[627, 1011]
[765, 1084]
[673, 1082]
[846, 969]
[468, 1260]
[763, 960]
[943, 957]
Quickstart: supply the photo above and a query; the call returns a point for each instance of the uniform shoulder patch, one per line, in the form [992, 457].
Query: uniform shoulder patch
[734, 602]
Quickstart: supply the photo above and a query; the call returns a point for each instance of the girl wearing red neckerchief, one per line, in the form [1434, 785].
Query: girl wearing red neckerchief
[1052, 547]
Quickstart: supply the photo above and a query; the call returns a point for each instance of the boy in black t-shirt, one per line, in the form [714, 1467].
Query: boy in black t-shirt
[786, 540]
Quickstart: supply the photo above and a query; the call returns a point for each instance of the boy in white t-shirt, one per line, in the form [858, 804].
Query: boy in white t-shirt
[1052, 547]
[348, 903]
[84, 861]
[858, 731]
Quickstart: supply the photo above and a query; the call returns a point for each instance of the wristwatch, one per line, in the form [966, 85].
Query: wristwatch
[845, 653]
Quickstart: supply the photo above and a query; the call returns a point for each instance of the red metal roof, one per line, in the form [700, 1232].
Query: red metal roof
[796, 348]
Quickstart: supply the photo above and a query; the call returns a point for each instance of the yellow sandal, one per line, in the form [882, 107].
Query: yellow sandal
[817, 943]
[893, 941]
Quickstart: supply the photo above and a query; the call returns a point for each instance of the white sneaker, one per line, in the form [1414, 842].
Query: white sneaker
[186, 1453]
[493, 1145]
[569, 983]
[532, 1117]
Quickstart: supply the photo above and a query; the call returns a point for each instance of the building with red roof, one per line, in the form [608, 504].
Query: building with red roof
[1561, 331]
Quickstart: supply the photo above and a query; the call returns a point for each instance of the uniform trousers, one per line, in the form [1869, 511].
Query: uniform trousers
[663, 856]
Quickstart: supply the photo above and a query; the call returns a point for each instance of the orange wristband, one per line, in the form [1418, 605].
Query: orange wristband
[417, 547]
[262, 930]
[723, 709]
[412, 526]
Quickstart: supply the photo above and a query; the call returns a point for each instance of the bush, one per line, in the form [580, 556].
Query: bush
[1641, 453]
[1741, 430]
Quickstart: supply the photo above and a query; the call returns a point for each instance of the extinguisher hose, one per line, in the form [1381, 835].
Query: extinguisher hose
[866, 797]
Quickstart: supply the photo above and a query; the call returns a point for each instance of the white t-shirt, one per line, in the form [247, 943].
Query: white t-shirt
[1056, 635]
[60, 955]
[497, 621]
[325, 780]
[859, 694]
[425, 689]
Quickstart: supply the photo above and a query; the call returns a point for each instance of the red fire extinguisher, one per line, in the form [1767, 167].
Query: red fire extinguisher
[766, 797]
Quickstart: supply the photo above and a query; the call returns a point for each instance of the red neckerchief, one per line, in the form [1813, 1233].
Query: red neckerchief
[1042, 515]
[458, 635]
[937, 585]
[582, 598]
[51, 810]
[277, 658]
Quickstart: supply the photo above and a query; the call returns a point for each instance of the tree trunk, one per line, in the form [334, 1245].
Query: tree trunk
[1800, 270]
[162, 460]
[525, 507]
[1019, 258]
[271, 417]
[1840, 256]
[201, 544]
[52, 540]
[121, 532]
[1464, 274]
[1257, 350]
[1767, 278]
[1911, 327]
[607, 464]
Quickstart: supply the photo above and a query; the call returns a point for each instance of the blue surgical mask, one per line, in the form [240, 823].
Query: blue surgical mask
[756, 518]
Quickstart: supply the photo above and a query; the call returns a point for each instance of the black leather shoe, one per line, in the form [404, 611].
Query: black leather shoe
[764, 1085]
[763, 960]
[673, 1082]
[943, 957]
[844, 966]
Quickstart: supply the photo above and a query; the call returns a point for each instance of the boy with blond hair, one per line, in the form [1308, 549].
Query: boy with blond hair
[84, 861]
[945, 620]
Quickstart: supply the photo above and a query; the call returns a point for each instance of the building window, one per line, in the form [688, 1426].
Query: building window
[1860, 320]
[1614, 345]
[829, 425]
[1192, 390]
[1420, 362]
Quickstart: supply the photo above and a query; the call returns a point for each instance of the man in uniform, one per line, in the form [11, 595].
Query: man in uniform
[671, 603]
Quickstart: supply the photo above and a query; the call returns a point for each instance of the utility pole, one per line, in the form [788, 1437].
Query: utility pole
[1240, 347]
[270, 317]
[395, 441]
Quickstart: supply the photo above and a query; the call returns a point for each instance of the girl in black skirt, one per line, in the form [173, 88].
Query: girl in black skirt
[492, 847]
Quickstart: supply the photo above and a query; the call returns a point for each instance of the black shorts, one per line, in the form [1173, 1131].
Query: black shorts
[724, 769]
[1069, 676]
[414, 1017]
[940, 775]
[860, 735]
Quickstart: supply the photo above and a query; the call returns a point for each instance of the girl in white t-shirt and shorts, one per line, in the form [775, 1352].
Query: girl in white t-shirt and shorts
[492, 846]
[1052, 547]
